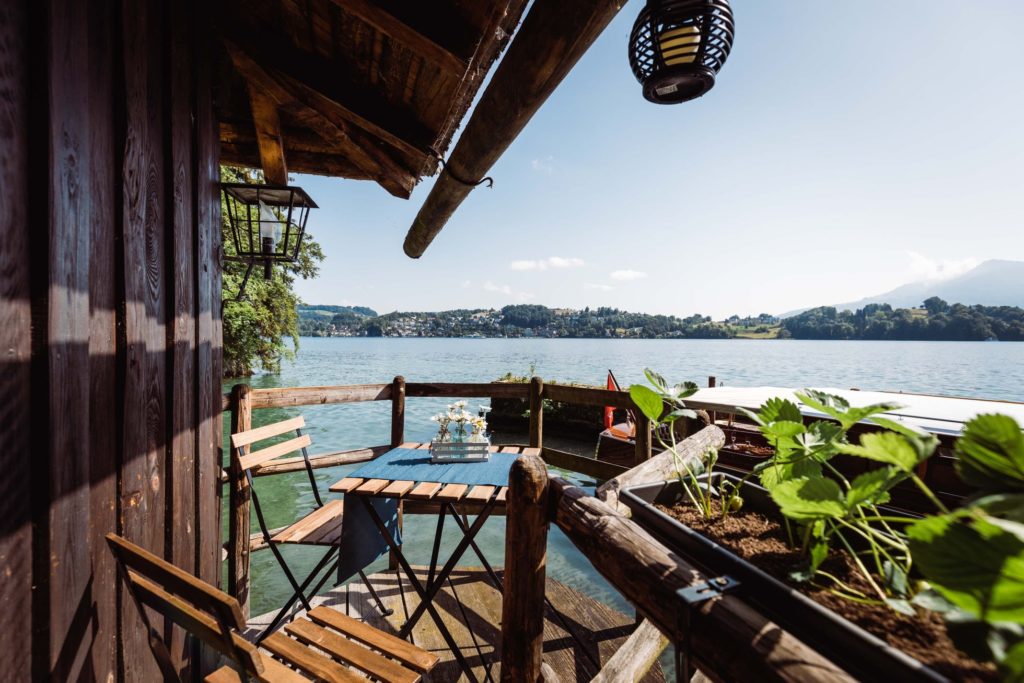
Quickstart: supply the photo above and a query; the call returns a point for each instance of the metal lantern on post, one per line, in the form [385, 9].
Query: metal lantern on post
[678, 46]
[267, 224]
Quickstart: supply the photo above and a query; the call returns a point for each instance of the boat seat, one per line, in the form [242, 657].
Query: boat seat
[325, 645]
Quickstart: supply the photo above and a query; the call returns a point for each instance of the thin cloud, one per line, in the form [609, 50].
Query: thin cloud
[552, 262]
[598, 286]
[545, 165]
[628, 275]
[924, 268]
[507, 291]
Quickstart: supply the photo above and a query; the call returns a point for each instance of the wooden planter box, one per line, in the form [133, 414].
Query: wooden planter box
[857, 651]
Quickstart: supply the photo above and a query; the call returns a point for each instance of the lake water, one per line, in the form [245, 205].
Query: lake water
[986, 370]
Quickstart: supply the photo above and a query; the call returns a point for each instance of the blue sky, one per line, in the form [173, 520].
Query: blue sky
[847, 148]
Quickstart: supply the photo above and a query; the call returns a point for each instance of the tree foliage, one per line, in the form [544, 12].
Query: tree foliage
[263, 327]
[937, 321]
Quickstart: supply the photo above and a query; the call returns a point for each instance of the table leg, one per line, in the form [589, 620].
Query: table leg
[425, 602]
[464, 526]
[449, 566]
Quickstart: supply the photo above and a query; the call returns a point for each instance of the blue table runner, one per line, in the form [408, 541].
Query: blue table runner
[361, 542]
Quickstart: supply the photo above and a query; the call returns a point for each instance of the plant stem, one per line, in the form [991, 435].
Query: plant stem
[860, 565]
[928, 492]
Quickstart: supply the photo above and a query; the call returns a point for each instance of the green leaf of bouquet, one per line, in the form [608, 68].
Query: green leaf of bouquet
[991, 453]
[869, 488]
[808, 499]
[647, 401]
[887, 447]
[972, 562]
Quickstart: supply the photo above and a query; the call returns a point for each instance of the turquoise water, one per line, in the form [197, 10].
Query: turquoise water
[989, 370]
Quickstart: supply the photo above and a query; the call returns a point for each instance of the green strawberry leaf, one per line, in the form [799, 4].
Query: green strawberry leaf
[807, 499]
[649, 403]
[887, 447]
[991, 453]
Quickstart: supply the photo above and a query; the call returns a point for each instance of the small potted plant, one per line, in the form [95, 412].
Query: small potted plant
[461, 436]
[873, 588]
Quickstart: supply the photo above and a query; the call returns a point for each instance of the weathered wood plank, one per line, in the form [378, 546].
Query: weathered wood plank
[587, 396]
[636, 656]
[408, 36]
[64, 588]
[16, 341]
[526, 541]
[397, 411]
[238, 522]
[268, 137]
[599, 469]
[536, 412]
[649, 575]
[105, 442]
[266, 431]
[468, 390]
[320, 461]
[304, 396]
[181, 450]
[143, 476]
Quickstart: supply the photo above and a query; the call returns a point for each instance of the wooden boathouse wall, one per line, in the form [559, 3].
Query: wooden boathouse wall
[109, 323]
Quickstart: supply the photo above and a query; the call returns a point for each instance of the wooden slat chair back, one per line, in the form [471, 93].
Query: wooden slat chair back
[321, 526]
[212, 616]
[327, 645]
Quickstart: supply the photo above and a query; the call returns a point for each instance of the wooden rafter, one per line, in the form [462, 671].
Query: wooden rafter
[268, 137]
[553, 37]
[401, 32]
[306, 73]
[317, 115]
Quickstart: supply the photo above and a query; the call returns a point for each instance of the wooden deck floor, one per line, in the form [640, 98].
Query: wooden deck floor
[579, 635]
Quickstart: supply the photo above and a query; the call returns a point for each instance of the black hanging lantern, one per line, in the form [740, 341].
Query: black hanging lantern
[267, 224]
[678, 46]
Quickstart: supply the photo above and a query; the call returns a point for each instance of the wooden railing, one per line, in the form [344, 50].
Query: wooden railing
[243, 400]
[711, 633]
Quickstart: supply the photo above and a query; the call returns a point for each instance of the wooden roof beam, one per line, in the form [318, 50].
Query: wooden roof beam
[553, 37]
[401, 32]
[361, 151]
[307, 73]
[268, 137]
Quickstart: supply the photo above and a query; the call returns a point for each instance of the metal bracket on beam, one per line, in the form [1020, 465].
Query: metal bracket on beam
[692, 596]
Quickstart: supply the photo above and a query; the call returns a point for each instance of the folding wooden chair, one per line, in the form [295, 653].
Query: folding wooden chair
[326, 646]
[320, 527]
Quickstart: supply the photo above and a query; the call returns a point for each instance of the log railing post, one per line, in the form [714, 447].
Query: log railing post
[397, 411]
[526, 542]
[643, 439]
[397, 439]
[536, 412]
[238, 532]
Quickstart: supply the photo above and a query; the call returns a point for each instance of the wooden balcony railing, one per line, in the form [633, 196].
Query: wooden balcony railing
[243, 399]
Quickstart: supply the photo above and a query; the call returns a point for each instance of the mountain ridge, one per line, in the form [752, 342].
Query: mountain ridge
[996, 282]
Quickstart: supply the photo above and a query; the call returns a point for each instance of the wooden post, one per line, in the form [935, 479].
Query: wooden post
[643, 439]
[536, 412]
[397, 411]
[712, 381]
[397, 439]
[526, 542]
[238, 534]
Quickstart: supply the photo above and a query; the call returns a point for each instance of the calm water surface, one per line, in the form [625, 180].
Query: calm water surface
[988, 370]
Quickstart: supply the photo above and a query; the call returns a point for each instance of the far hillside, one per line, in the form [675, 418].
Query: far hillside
[936, 320]
[326, 321]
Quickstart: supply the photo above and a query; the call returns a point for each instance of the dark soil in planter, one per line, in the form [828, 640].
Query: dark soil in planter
[762, 542]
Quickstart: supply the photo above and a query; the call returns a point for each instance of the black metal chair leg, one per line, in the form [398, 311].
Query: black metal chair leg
[299, 594]
[288, 573]
[384, 612]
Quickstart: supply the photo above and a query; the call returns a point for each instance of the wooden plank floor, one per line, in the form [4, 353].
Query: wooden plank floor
[579, 632]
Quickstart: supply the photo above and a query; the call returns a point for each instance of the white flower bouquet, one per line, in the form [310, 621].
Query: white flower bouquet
[461, 436]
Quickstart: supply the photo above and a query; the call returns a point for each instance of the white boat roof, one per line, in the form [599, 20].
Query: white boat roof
[936, 414]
